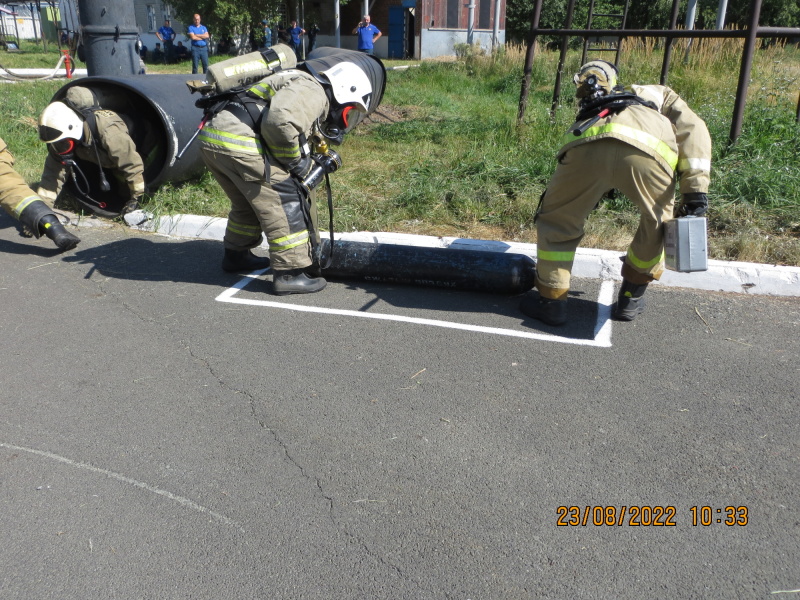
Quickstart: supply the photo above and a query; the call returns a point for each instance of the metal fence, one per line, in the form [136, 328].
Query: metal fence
[751, 34]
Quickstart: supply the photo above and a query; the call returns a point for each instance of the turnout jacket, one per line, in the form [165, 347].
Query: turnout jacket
[673, 135]
[274, 117]
[116, 151]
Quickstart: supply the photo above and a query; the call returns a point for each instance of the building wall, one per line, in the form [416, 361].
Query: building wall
[442, 42]
[162, 11]
[454, 14]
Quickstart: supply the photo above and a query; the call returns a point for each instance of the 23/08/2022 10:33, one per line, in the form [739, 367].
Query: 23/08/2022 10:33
[648, 516]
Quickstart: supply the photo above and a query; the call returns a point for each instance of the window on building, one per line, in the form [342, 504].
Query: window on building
[151, 17]
[453, 11]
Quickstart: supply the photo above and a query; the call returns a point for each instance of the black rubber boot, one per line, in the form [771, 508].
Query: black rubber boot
[550, 312]
[630, 301]
[296, 281]
[52, 228]
[238, 261]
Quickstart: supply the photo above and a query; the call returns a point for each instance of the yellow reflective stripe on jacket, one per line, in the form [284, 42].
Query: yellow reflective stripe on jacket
[17, 210]
[245, 68]
[555, 256]
[243, 229]
[701, 164]
[644, 264]
[638, 135]
[239, 143]
[265, 92]
[284, 151]
[290, 241]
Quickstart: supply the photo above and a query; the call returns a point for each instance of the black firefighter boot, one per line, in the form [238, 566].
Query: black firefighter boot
[630, 301]
[242, 261]
[546, 310]
[53, 229]
[39, 219]
[296, 281]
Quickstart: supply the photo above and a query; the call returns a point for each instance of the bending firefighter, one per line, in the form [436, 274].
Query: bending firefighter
[22, 203]
[79, 127]
[267, 145]
[634, 141]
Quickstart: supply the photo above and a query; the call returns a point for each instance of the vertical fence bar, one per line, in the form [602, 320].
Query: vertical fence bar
[562, 59]
[673, 23]
[744, 72]
[526, 77]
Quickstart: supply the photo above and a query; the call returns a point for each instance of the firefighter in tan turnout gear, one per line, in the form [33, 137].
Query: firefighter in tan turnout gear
[80, 127]
[22, 203]
[268, 149]
[636, 141]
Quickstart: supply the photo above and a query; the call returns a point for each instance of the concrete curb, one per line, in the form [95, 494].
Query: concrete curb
[725, 276]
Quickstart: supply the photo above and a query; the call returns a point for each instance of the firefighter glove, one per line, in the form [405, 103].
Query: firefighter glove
[693, 204]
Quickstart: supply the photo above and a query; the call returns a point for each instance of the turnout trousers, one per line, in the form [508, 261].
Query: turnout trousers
[15, 195]
[584, 174]
[275, 206]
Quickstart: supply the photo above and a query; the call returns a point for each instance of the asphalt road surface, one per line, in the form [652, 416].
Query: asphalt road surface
[171, 431]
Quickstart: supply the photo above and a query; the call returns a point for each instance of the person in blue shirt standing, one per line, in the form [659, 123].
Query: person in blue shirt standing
[368, 34]
[267, 41]
[166, 34]
[295, 32]
[199, 36]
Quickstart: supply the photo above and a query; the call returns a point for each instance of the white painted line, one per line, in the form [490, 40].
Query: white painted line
[139, 484]
[602, 329]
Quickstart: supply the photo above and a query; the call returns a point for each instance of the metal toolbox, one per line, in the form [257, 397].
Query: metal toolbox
[686, 244]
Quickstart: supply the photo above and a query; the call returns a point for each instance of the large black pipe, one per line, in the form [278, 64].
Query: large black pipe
[108, 37]
[164, 117]
[449, 268]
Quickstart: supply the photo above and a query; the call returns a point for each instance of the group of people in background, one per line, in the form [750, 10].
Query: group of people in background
[168, 51]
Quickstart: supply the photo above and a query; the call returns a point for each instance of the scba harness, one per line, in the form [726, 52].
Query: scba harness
[597, 108]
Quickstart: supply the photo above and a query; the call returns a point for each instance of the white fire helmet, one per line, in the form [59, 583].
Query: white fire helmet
[59, 122]
[604, 74]
[350, 85]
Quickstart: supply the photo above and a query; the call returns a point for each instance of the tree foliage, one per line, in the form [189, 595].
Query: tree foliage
[652, 14]
[227, 17]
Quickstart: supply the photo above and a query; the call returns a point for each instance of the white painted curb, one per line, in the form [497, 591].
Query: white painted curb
[725, 276]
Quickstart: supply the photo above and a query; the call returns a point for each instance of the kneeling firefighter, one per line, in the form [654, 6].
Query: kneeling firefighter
[267, 145]
[636, 141]
[22, 203]
[79, 127]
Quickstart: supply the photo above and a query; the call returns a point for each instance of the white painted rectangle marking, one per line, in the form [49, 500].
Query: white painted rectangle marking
[602, 338]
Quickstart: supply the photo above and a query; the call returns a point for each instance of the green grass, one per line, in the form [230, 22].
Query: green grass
[444, 154]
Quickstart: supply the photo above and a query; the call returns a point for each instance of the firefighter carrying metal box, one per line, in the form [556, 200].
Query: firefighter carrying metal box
[633, 141]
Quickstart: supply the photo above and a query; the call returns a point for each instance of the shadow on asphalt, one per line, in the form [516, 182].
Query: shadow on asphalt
[139, 259]
[479, 308]
[28, 245]
[198, 262]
